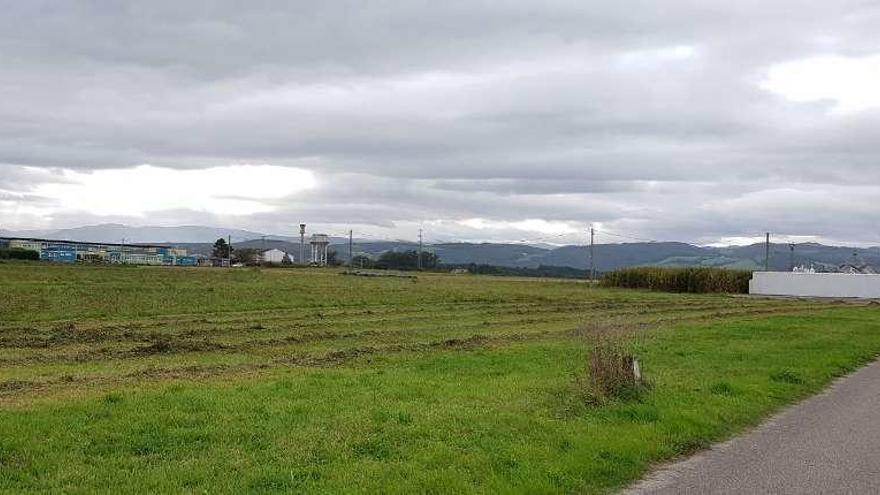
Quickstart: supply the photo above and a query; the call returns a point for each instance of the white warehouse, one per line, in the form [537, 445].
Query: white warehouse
[805, 284]
[275, 256]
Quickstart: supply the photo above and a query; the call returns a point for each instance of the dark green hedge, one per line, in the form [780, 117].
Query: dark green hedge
[680, 279]
[18, 254]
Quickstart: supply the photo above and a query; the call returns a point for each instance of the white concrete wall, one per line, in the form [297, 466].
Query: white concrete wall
[815, 285]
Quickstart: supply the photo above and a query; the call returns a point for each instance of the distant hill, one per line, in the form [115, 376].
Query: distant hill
[613, 256]
[113, 232]
[607, 256]
[199, 239]
[491, 254]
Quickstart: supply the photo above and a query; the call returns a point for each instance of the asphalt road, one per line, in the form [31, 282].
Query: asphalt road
[827, 444]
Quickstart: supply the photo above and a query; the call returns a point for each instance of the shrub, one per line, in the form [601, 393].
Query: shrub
[680, 279]
[18, 254]
[611, 369]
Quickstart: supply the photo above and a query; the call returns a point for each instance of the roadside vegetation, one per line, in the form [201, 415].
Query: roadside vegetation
[612, 370]
[141, 380]
[695, 280]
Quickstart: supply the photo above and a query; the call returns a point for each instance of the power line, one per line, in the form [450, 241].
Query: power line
[302, 243]
[627, 236]
[592, 259]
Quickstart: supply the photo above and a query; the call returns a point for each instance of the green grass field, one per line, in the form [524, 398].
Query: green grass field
[136, 380]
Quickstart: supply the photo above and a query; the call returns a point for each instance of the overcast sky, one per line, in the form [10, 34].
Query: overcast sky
[703, 121]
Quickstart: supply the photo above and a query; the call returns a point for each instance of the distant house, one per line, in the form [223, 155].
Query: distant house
[274, 256]
[855, 265]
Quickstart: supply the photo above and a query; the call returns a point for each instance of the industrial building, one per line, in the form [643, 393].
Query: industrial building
[97, 252]
[274, 256]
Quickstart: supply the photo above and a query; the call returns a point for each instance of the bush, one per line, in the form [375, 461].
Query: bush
[18, 254]
[612, 371]
[680, 279]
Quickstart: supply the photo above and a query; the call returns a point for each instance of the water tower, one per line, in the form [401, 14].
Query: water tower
[320, 243]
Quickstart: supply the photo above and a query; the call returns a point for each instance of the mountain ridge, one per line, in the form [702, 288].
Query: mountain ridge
[199, 239]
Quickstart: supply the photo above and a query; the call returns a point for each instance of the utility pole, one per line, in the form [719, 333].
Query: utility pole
[791, 256]
[302, 243]
[350, 248]
[229, 251]
[767, 253]
[592, 254]
[420, 250]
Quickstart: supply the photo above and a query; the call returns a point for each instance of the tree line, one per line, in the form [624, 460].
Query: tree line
[398, 260]
[389, 260]
[19, 254]
[405, 261]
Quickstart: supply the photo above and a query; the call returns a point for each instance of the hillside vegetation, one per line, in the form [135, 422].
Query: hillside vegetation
[144, 380]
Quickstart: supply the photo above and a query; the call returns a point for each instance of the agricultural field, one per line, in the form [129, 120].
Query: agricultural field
[137, 380]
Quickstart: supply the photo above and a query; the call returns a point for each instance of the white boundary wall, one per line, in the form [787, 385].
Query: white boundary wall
[815, 284]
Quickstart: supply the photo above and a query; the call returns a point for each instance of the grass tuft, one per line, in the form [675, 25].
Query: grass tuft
[787, 376]
[722, 388]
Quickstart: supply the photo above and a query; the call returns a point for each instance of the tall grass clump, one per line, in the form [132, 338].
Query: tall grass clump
[612, 371]
[680, 279]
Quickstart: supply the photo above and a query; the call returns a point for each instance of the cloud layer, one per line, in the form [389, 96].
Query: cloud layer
[695, 121]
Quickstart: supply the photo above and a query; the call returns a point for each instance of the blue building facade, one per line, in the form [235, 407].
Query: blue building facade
[61, 251]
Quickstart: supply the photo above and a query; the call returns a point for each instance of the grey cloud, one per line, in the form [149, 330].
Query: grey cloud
[539, 186]
[642, 115]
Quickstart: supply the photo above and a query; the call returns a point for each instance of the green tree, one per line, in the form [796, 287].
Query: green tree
[221, 249]
[246, 256]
